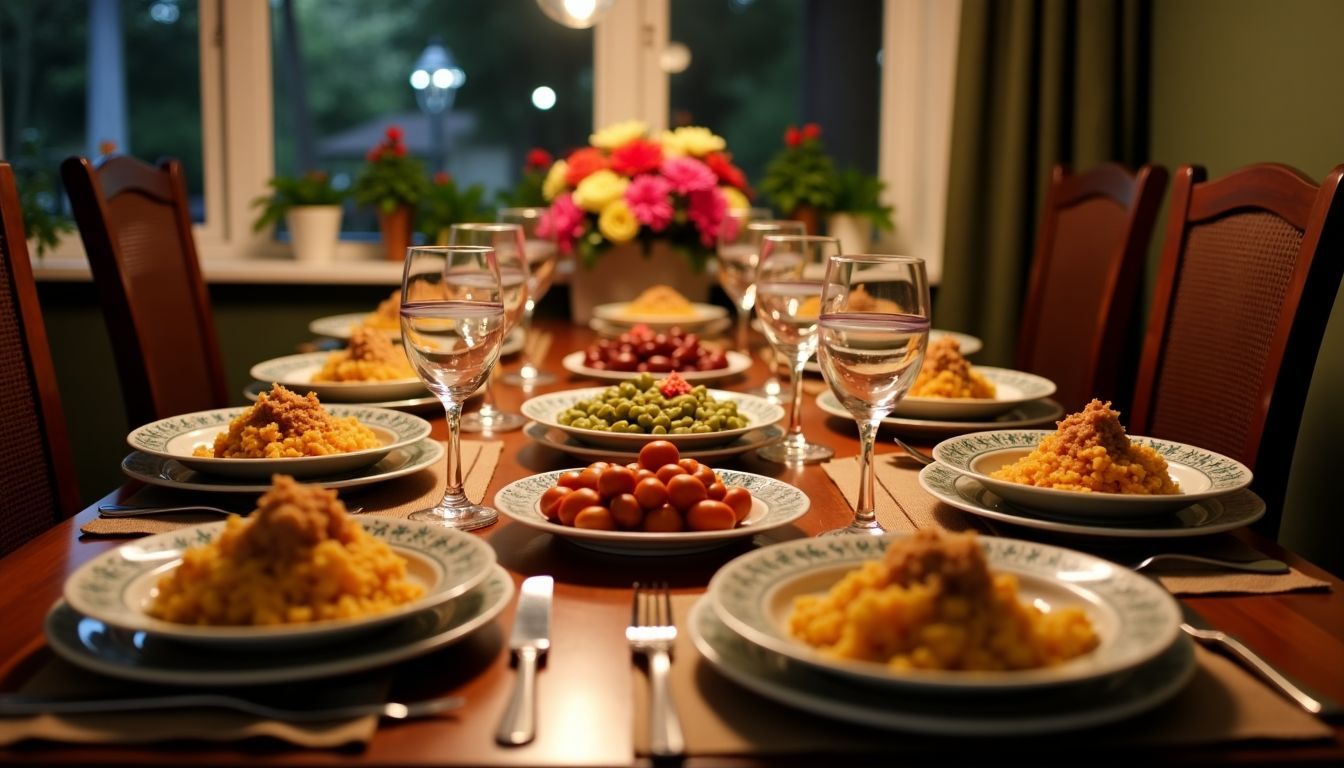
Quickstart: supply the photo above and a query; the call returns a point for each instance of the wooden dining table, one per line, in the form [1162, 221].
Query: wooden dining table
[587, 695]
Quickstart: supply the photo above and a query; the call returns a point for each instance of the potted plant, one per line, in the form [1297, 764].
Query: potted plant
[858, 209]
[801, 181]
[445, 205]
[392, 183]
[311, 208]
[527, 193]
[640, 210]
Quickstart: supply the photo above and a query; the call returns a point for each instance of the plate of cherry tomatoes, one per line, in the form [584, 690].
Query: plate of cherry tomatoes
[660, 504]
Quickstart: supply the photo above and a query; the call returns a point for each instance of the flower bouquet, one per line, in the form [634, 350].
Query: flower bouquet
[629, 187]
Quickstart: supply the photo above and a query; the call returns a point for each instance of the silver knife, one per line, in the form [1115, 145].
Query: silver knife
[530, 640]
[1194, 625]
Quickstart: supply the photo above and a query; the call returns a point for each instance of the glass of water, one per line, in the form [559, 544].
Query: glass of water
[541, 262]
[511, 257]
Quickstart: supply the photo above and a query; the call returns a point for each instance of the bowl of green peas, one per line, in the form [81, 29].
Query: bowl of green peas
[631, 413]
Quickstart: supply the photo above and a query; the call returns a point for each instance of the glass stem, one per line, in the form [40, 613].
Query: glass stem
[865, 514]
[487, 410]
[743, 329]
[453, 411]
[796, 411]
[527, 369]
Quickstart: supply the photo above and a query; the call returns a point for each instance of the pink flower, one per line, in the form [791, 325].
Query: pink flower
[563, 221]
[687, 175]
[706, 208]
[649, 199]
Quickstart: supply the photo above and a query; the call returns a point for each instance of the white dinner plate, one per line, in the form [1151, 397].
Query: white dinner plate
[1200, 475]
[341, 326]
[177, 436]
[546, 409]
[426, 403]
[737, 363]
[618, 313]
[1134, 617]
[116, 587]
[1029, 414]
[706, 330]
[774, 504]
[1012, 388]
[969, 344]
[296, 372]
[1018, 714]
[554, 438]
[148, 658]
[157, 470]
[1222, 513]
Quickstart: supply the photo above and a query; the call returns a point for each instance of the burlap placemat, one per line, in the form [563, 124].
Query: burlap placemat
[902, 505]
[60, 679]
[394, 498]
[1222, 704]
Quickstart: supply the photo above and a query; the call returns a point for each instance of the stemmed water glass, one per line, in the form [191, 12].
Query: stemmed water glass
[511, 256]
[788, 301]
[452, 326]
[873, 331]
[739, 249]
[541, 260]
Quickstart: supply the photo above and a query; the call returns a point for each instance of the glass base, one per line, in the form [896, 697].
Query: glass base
[522, 379]
[795, 453]
[854, 529]
[466, 518]
[777, 392]
[497, 421]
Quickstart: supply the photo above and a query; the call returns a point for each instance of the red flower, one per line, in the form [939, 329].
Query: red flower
[792, 137]
[811, 131]
[441, 178]
[538, 159]
[399, 150]
[374, 154]
[584, 163]
[721, 163]
[636, 156]
[393, 134]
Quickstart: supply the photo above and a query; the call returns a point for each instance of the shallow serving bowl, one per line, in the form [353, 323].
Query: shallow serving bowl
[117, 587]
[177, 436]
[1200, 475]
[737, 363]
[296, 372]
[1134, 617]
[619, 313]
[546, 409]
[1012, 388]
[774, 504]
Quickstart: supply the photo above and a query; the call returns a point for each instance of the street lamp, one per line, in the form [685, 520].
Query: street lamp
[435, 79]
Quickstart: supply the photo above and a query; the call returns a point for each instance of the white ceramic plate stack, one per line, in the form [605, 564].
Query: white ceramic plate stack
[102, 624]
[774, 504]
[740, 627]
[1213, 497]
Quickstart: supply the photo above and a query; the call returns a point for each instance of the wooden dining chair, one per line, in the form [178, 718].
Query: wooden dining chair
[134, 220]
[1085, 276]
[38, 483]
[1250, 268]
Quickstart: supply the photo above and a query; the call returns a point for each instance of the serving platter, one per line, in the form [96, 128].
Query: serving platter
[117, 587]
[149, 658]
[737, 363]
[296, 372]
[1029, 414]
[177, 436]
[1134, 618]
[774, 504]
[1215, 515]
[546, 409]
[157, 470]
[1199, 473]
[560, 441]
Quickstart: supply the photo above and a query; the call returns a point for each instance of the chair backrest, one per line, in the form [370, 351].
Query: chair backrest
[1250, 268]
[136, 228]
[1085, 275]
[38, 483]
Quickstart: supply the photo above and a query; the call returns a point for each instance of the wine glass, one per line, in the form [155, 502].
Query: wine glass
[511, 256]
[739, 250]
[789, 278]
[541, 260]
[873, 331]
[452, 326]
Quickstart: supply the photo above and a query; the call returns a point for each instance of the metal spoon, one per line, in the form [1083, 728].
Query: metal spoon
[136, 510]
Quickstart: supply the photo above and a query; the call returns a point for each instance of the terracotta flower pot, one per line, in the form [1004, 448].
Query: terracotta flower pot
[809, 216]
[396, 231]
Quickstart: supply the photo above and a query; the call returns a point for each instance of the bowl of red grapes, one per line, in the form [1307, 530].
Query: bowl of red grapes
[641, 349]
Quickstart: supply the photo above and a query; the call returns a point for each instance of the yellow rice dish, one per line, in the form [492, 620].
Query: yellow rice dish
[298, 558]
[370, 356]
[946, 373]
[932, 603]
[387, 317]
[1090, 452]
[660, 300]
[282, 424]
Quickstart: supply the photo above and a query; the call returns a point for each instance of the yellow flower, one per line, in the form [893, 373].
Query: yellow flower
[735, 199]
[555, 180]
[617, 222]
[616, 134]
[691, 140]
[599, 190]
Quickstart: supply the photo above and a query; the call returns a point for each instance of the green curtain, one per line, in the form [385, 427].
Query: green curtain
[1038, 82]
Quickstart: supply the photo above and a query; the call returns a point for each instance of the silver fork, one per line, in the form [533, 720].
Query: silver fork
[913, 452]
[11, 705]
[1263, 565]
[652, 633]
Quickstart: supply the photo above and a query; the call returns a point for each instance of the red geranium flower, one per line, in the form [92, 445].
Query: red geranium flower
[811, 131]
[538, 159]
[636, 156]
[373, 154]
[584, 163]
[721, 163]
[442, 177]
[792, 137]
[393, 134]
